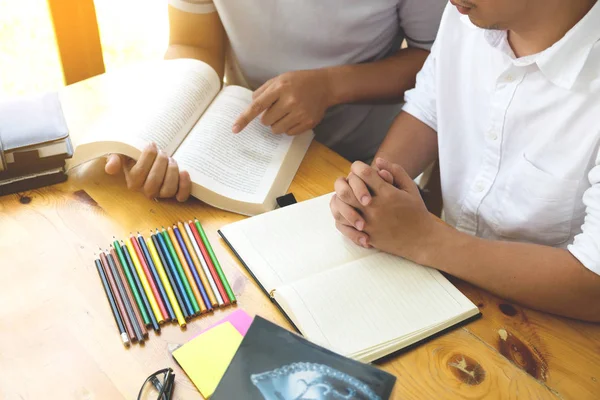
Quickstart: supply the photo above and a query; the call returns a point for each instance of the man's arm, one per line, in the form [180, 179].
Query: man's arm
[297, 101]
[197, 32]
[540, 277]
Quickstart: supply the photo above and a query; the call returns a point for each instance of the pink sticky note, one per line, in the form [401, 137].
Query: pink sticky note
[239, 319]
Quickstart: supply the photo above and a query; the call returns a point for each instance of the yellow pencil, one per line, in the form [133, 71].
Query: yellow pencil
[199, 270]
[145, 284]
[165, 281]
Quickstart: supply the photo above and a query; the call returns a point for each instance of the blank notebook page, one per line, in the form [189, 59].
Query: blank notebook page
[291, 243]
[372, 302]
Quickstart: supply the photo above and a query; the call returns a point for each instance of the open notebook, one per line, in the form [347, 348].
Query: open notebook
[358, 302]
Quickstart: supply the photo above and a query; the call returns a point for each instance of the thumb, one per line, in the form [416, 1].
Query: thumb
[400, 178]
[113, 164]
[386, 176]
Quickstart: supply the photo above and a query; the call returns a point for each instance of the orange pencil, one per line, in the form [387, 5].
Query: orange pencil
[186, 269]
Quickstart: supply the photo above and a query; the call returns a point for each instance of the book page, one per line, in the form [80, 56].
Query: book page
[240, 166]
[291, 243]
[157, 102]
[372, 303]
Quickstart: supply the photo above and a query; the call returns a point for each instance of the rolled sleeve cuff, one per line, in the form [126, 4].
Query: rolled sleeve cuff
[420, 114]
[419, 44]
[194, 7]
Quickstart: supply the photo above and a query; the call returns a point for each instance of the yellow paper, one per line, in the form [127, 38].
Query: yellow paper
[206, 357]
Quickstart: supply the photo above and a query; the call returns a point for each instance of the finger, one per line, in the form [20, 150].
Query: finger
[369, 176]
[359, 238]
[386, 176]
[276, 112]
[171, 181]
[156, 176]
[360, 190]
[284, 124]
[113, 164]
[298, 129]
[347, 215]
[262, 89]
[401, 179]
[344, 192]
[258, 105]
[185, 186]
[138, 174]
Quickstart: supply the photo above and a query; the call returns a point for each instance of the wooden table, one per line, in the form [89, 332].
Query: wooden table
[58, 339]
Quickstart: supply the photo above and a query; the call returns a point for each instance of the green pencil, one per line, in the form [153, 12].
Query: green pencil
[214, 260]
[131, 282]
[179, 268]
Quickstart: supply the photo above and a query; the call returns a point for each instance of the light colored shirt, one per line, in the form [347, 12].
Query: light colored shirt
[270, 37]
[518, 137]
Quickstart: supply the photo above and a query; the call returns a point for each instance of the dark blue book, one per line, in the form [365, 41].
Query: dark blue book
[275, 364]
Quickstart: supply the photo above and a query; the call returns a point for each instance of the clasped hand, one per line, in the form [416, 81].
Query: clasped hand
[381, 207]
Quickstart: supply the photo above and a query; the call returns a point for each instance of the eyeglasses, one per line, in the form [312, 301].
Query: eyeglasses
[158, 386]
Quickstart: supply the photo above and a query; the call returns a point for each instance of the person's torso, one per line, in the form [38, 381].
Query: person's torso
[271, 37]
[515, 148]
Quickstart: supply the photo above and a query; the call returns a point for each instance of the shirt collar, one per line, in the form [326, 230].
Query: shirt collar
[564, 60]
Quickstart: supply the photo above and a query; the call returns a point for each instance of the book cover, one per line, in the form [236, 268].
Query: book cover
[275, 364]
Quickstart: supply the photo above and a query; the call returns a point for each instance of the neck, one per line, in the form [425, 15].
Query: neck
[544, 23]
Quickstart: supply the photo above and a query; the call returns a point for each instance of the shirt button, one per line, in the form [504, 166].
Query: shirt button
[509, 78]
[492, 135]
[479, 187]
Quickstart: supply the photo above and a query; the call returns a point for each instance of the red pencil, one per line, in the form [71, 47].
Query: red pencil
[211, 267]
[153, 287]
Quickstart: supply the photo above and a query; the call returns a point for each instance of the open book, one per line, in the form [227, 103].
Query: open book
[358, 302]
[179, 105]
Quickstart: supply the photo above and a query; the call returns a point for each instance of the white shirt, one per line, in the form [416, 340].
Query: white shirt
[270, 37]
[518, 137]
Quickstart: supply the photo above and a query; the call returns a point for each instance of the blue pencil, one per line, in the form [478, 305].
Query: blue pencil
[172, 281]
[171, 266]
[192, 266]
[154, 272]
[136, 278]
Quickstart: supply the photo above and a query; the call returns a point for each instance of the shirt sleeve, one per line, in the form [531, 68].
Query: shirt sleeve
[194, 6]
[421, 102]
[586, 245]
[420, 20]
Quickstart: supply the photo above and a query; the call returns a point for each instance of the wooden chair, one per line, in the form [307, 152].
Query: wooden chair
[78, 38]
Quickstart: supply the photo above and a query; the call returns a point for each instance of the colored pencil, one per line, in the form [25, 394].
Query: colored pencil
[117, 297]
[165, 280]
[112, 303]
[208, 261]
[182, 276]
[154, 272]
[215, 261]
[205, 270]
[123, 294]
[129, 260]
[144, 278]
[190, 265]
[133, 286]
[186, 270]
[186, 305]
[153, 288]
[136, 311]
[197, 261]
